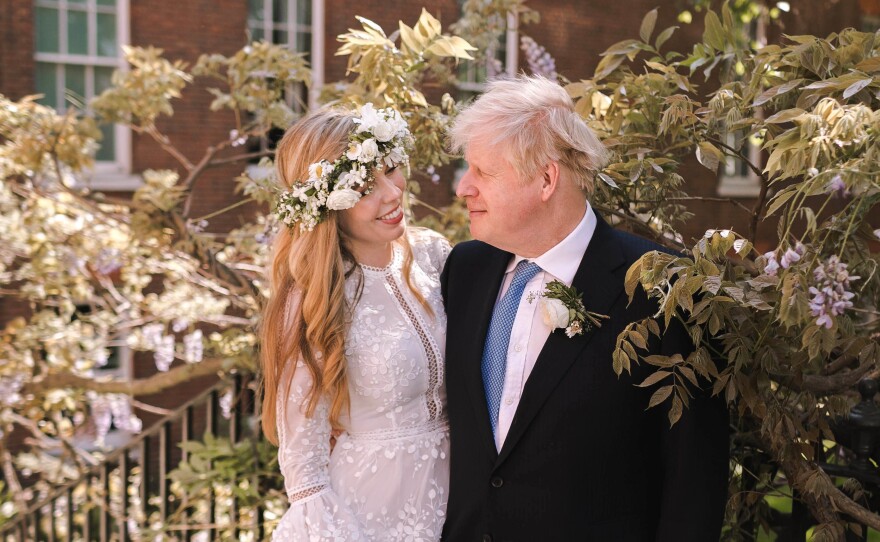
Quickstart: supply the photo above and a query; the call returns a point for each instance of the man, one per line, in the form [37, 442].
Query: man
[547, 442]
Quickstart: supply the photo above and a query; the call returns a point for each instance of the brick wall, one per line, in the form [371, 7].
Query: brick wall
[16, 48]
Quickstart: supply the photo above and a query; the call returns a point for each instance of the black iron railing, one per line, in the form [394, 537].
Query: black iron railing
[129, 493]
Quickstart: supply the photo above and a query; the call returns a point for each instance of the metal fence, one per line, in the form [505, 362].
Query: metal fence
[129, 492]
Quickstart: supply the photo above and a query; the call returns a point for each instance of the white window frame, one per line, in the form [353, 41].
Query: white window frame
[469, 84]
[293, 27]
[511, 59]
[107, 175]
[731, 183]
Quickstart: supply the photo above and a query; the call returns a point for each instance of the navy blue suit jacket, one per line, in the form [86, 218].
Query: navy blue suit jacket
[584, 459]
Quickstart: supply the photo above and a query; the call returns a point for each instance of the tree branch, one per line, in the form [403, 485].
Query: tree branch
[240, 158]
[826, 384]
[166, 145]
[144, 386]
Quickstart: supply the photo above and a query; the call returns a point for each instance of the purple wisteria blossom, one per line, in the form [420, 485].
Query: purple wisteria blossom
[772, 264]
[193, 349]
[540, 61]
[832, 295]
[789, 257]
[837, 188]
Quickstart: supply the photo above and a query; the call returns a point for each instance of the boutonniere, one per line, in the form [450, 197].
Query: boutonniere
[562, 307]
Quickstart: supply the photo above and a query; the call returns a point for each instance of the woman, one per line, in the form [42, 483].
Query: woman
[353, 338]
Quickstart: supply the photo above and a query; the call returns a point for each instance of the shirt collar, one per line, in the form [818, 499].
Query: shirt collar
[562, 261]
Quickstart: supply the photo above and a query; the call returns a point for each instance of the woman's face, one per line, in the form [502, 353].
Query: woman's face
[376, 220]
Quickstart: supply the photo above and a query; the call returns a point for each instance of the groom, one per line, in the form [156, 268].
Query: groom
[547, 442]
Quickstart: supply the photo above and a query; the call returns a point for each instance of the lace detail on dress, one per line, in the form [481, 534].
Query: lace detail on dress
[305, 493]
[433, 396]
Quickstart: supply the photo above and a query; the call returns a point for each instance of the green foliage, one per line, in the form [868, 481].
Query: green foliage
[36, 138]
[256, 77]
[388, 74]
[138, 96]
[794, 328]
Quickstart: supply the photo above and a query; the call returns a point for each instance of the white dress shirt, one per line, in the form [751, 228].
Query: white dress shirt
[529, 332]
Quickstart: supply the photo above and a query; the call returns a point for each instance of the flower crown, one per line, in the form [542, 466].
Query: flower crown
[379, 140]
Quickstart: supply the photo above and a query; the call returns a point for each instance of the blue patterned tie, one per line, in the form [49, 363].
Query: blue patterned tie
[494, 363]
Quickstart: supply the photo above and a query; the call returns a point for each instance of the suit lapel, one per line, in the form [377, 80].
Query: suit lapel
[486, 280]
[600, 279]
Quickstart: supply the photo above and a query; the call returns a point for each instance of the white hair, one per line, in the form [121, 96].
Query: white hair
[531, 121]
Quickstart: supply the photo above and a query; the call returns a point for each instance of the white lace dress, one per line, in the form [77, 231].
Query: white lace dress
[388, 474]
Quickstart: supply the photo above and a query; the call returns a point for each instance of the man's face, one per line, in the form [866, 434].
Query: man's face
[500, 206]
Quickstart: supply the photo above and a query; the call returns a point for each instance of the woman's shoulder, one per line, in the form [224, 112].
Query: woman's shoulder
[430, 245]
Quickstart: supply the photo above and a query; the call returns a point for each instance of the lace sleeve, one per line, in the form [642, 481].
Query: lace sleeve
[316, 511]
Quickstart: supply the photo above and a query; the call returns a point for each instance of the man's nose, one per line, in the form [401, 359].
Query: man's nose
[465, 187]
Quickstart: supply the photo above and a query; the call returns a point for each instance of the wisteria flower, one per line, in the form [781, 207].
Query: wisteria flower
[832, 295]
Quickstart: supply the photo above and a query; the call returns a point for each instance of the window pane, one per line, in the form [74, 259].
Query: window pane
[255, 10]
[107, 152]
[46, 84]
[280, 13]
[47, 30]
[279, 37]
[107, 35]
[107, 2]
[303, 42]
[304, 12]
[103, 79]
[257, 34]
[75, 86]
[77, 32]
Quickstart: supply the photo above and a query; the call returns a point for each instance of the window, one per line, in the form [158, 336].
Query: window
[473, 76]
[289, 23]
[78, 46]
[502, 59]
[737, 180]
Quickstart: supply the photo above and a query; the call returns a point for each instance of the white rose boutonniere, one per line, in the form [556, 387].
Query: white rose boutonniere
[553, 312]
[345, 198]
[562, 308]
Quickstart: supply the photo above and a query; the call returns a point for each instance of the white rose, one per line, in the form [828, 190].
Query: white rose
[345, 198]
[369, 151]
[383, 131]
[369, 117]
[554, 313]
[395, 156]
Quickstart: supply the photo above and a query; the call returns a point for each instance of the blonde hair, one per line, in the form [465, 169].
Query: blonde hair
[532, 121]
[314, 266]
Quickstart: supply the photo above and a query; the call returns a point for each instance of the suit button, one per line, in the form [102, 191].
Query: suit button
[487, 538]
[497, 481]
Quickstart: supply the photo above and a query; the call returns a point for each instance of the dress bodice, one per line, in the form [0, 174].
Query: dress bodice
[394, 345]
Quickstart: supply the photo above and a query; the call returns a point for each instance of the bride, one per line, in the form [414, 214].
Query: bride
[353, 338]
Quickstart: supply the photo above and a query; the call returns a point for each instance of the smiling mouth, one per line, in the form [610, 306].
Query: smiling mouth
[393, 214]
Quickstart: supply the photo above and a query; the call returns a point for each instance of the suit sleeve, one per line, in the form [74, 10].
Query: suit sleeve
[695, 460]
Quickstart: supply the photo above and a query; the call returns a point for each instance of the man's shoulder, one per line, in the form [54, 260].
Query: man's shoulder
[473, 251]
[634, 246]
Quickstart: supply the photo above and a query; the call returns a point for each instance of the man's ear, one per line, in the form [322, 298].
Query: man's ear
[549, 180]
